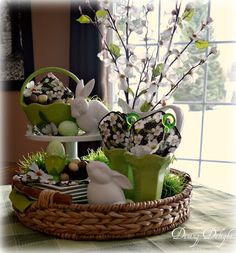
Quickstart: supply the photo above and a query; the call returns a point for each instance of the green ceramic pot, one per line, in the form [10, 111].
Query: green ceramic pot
[56, 112]
[118, 163]
[149, 172]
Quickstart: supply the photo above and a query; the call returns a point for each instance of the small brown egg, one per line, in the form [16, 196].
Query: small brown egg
[34, 98]
[73, 166]
[82, 165]
[64, 177]
[77, 161]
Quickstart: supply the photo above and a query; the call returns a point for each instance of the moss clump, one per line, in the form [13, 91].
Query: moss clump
[173, 184]
[97, 155]
[38, 158]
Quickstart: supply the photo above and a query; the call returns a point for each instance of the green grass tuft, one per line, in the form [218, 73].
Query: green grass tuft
[38, 158]
[173, 184]
[97, 155]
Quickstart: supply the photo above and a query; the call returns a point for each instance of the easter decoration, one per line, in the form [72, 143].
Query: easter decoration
[125, 188]
[141, 149]
[87, 113]
[106, 185]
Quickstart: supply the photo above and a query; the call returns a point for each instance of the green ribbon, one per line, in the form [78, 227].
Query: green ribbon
[168, 121]
[131, 118]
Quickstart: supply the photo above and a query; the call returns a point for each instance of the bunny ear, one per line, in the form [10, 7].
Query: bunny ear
[121, 180]
[79, 88]
[87, 89]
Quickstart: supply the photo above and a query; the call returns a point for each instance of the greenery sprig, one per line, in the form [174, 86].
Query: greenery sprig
[141, 78]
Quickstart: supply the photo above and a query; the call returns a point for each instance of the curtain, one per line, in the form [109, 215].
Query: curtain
[17, 45]
[84, 47]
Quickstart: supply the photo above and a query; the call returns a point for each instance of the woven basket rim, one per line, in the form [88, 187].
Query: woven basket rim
[127, 206]
[108, 222]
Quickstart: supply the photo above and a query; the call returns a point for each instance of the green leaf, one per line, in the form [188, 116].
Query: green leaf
[101, 13]
[43, 117]
[145, 107]
[84, 19]
[201, 44]
[142, 92]
[188, 14]
[130, 91]
[158, 69]
[114, 49]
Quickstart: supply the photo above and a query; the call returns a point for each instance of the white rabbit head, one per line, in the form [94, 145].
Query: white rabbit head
[80, 105]
[100, 173]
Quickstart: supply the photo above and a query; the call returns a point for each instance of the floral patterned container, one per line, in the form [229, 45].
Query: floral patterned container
[56, 112]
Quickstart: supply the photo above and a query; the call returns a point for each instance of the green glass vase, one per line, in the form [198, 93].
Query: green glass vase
[118, 163]
[148, 172]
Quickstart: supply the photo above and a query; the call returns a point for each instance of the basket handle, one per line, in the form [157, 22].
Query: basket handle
[41, 71]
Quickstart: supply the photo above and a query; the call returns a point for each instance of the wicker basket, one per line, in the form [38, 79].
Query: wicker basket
[105, 222]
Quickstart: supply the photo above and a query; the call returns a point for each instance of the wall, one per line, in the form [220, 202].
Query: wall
[51, 33]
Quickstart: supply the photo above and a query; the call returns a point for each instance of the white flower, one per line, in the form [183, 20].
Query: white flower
[50, 94]
[156, 131]
[113, 119]
[173, 140]
[50, 75]
[106, 133]
[103, 126]
[119, 125]
[122, 83]
[30, 87]
[119, 137]
[38, 174]
[157, 117]
[59, 94]
[150, 7]
[50, 129]
[138, 139]
[139, 124]
[150, 137]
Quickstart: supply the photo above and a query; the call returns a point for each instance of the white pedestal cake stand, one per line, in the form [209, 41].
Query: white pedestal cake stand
[70, 142]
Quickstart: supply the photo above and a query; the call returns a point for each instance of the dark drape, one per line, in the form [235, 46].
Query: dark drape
[84, 47]
[21, 40]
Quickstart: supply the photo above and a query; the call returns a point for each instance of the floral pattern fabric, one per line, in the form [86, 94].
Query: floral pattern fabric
[145, 136]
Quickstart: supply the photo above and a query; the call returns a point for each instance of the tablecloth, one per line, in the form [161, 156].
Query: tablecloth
[210, 228]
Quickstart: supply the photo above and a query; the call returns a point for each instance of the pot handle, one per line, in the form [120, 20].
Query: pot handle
[178, 113]
[41, 71]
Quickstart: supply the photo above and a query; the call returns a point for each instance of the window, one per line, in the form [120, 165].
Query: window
[208, 136]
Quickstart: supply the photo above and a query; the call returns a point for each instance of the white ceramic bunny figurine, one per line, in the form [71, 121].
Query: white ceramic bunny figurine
[106, 185]
[87, 113]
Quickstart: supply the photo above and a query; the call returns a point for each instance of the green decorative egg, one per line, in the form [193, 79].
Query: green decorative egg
[56, 148]
[55, 165]
[68, 128]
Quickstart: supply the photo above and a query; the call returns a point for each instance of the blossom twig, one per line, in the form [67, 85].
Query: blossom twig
[174, 87]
